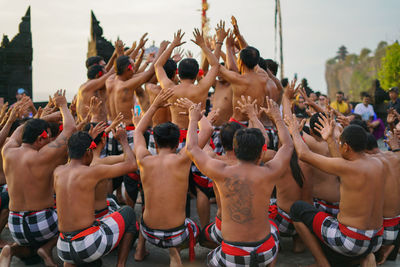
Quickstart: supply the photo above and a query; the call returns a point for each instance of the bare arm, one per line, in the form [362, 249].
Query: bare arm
[6, 129]
[242, 42]
[230, 56]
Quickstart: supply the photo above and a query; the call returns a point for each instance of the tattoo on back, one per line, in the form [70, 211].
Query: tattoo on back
[59, 142]
[240, 197]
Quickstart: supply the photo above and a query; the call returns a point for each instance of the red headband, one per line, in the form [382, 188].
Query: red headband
[104, 134]
[44, 134]
[92, 145]
[201, 72]
[130, 67]
[100, 74]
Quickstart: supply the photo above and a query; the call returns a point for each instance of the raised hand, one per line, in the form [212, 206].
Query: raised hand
[59, 98]
[326, 128]
[391, 117]
[247, 106]
[117, 120]
[343, 120]
[235, 26]
[291, 90]
[119, 47]
[195, 112]
[120, 134]
[184, 103]
[178, 38]
[96, 130]
[94, 105]
[178, 55]
[161, 99]
[292, 123]
[213, 116]
[164, 45]
[220, 31]
[143, 40]
[198, 38]
[189, 54]
[392, 139]
[272, 109]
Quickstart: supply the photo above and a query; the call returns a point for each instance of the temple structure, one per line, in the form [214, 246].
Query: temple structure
[98, 45]
[16, 61]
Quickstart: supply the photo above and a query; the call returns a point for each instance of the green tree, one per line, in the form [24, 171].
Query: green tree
[389, 73]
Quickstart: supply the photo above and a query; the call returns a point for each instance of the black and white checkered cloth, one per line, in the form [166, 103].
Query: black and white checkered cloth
[170, 238]
[273, 138]
[327, 207]
[346, 240]
[391, 229]
[152, 144]
[112, 206]
[213, 231]
[114, 147]
[216, 143]
[92, 243]
[33, 228]
[3, 188]
[282, 220]
[243, 255]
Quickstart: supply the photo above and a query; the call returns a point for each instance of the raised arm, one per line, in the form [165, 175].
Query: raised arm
[242, 42]
[140, 143]
[282, 158]
[210, 167]
[6, 129]
[220, 36]
[162, 77]
[230, 56]
[119, 51]
[136, 50]
[336, 166]
[326, 130]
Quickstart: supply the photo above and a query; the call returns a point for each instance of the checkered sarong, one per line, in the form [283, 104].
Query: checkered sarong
[113, 147]
[213, 231]
[282, 220]
[3, 188]
[112, 206]
[391, 229]
[246, 254]
[346, 240]
[92, 243]
[33, 228]
[152, 144]
[176, 237]
[273, 138]
[216, 143]
[327, 207]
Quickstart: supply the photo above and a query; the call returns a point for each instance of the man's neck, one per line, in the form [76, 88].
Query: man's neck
[246, 70]
[187, 81]
[230, 155]
[30, 146]
[166, 151]
[76, 162]
[355, 156]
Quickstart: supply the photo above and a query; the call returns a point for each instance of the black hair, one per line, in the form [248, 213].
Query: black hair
[32, 129]
[285, 82]
[54, 128]
[170, 68]
[227, 133]
[248, 144]
[262, 64]
[313, 121]
[371, 142]
[297, 173]
[188, 68]
[93, 71]
[360, 123]
[97, 140]
[272, 66]
[357, 116]
[355, 136]
[16, 124]
[340, 93]
[78, 144]
[93, 61]
[166, 135]
[121, 64]
[249, 56]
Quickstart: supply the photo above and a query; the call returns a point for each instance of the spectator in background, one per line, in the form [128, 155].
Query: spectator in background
[20, 94]
[322, 101]
[340, 105]
[380, 97]
[366, 110]
[394, 99]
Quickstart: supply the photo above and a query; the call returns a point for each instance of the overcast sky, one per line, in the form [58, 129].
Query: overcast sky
[313, 30]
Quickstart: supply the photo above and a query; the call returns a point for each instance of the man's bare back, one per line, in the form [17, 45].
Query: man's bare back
[222, 100]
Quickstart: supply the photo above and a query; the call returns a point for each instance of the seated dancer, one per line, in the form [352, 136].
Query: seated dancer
[250, 239]
[391, 208]
[357, 231]
[188, 70]
[30, 158]
[165, 182]
[83, 239]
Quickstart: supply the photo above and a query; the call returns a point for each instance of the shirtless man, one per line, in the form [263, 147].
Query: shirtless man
[250, 239]
[165, 180]
[357, 231]
[391, 208]
[95, 86]
[29, 161]
[188, 69]
[83, 239]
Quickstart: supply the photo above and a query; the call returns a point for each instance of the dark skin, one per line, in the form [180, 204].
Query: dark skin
[75, 185]
[243, 187]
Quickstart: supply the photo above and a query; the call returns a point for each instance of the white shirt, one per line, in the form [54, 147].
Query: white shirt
[365, 112]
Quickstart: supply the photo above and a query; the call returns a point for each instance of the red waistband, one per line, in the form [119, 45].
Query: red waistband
[328, 204]
[84, 233]
[273, 212]
[130, 128]
[183, 134]
[234, 120]
[134, 176]
[390, 222]
[203, 182]
[236, 251]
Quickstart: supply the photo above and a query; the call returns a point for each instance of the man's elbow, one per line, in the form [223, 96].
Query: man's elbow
[69, 129]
